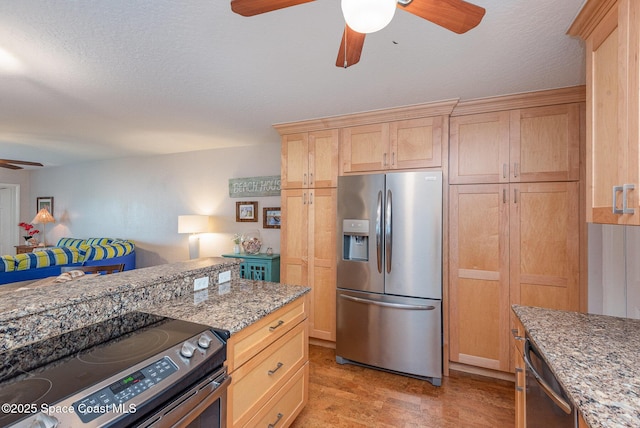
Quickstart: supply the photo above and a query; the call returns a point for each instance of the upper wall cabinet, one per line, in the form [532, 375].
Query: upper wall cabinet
[521, 145]
[309, 160]
[415, 143]
[611, 30]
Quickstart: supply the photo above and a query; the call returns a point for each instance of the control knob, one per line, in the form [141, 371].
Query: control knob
[43, 420]
[204, 341]
[187, 349]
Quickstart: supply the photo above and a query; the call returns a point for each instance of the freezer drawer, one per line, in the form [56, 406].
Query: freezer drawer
[389, 332]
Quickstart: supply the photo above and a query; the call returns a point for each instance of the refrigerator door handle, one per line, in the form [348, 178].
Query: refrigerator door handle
[389, 305]
[379, 231]
[388, 233]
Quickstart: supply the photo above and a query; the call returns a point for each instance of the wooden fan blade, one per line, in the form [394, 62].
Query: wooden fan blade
[355, 42]
[455, 15]
[9, 166]
[256, 7]
[7, 161]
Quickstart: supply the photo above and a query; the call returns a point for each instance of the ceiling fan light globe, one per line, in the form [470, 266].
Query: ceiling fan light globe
[368, 16]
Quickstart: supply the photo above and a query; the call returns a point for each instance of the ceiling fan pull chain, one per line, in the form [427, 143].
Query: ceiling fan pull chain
[345, 46]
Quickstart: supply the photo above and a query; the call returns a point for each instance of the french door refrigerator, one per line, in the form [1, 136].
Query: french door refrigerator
[389, 273]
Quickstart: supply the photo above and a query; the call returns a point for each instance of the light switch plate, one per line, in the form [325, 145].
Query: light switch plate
[200, 283]
[224, 276]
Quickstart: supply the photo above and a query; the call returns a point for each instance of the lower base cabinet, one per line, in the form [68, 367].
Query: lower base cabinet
[269, 367]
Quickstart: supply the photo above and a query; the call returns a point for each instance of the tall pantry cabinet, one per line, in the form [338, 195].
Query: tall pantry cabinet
[515, 227]
[307, 235]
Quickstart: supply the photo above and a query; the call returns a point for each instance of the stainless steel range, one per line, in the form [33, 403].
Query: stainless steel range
[135, 370]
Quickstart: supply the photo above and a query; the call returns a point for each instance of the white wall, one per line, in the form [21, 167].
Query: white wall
[141, 198]
[19, 181]
[614, 271]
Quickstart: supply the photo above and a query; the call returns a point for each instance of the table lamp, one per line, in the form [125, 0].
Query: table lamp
[194, 224]
[43, 217]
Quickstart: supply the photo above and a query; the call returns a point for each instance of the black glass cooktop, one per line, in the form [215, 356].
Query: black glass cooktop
[53, 369]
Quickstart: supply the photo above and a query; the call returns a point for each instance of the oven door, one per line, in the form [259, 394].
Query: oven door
[547, 405]
[204, 405]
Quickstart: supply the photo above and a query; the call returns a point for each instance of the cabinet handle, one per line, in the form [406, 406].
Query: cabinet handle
[272, 371]
[384, 160]
[304, 179]
[310, 198]
[504, 196]
[514, 332]
[518, 387]
[276, 326]
[304, 198]
[280, 415]
[615, 209]
[504, 170]
[515, 169]
[625, 207]
[393, 158]
[515, 196]
[311, 179]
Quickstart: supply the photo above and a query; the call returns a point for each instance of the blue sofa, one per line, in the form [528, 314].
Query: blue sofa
[47, 262]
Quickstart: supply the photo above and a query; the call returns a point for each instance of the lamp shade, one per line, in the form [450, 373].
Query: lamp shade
[368, 16]
[194, 223]
[43, 216]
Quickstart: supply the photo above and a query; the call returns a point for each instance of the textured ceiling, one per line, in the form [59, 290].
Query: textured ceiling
[94, 79]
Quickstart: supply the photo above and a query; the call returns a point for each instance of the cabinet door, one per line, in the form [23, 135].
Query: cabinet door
[608, 154]
[479, 148]
[416, 143]
[479, 275]
[293, 237]
[323, 158]
[545, 245]
[365, 148]
[294, 161]
[322, 263]
[545, 143]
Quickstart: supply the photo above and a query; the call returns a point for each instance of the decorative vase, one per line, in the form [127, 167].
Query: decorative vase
[236, 248]
[252, 242]
[27, 238]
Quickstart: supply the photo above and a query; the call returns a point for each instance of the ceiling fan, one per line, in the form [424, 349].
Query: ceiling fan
[14, 164]
[455, 15]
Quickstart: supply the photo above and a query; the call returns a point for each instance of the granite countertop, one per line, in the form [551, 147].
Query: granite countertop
[596, 358]
[231, 306]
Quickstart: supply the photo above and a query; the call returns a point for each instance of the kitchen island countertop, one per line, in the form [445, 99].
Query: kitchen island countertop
[596, 358]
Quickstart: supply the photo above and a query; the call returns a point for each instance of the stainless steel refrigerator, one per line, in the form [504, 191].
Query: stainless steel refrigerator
[389, 297]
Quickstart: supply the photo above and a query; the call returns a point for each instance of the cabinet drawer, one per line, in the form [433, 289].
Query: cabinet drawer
[286, 404]
[251, 340]
[257, 381]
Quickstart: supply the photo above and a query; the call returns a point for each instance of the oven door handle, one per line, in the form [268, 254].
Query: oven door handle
[560, 402]
[165, 418]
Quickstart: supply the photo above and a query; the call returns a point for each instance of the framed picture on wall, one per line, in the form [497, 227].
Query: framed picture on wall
[247, 211]
[271, 218]
[44, 202]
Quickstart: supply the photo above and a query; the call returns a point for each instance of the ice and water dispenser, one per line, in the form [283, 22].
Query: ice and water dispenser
[355, 240]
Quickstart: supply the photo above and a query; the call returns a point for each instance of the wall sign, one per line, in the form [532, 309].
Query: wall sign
[254, 186]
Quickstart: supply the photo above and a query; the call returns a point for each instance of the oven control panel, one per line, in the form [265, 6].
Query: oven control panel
[112, 397]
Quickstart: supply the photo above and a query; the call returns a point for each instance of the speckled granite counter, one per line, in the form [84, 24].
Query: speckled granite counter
[27, 316]
[596, 359]
[232, 306]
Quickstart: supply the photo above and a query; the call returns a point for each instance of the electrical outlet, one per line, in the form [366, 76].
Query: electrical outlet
[224, 276]
[200, 283]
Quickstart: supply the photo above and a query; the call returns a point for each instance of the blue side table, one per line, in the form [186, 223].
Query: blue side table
[260, 267]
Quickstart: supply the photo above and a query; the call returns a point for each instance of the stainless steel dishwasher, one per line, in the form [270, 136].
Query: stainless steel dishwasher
[547, 403]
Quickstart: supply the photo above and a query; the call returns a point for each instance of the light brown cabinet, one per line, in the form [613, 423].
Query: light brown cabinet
[521, 376]
[611, 30]
[520, 145]
[512, 243]
[405, 144]
[309, 160]
[269, 366]
[308, 253]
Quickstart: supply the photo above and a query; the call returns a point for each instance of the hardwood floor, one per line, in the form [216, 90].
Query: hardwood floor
[354, 396]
